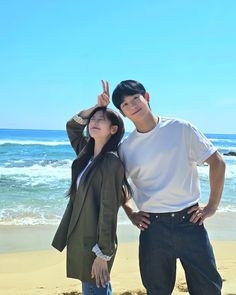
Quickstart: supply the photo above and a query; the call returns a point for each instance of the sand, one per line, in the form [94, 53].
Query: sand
[43, 272]
[30, 266]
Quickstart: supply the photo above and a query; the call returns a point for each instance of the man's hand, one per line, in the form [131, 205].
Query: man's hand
[140, 219]
[100, 272]
[104, 98]
[200, 213]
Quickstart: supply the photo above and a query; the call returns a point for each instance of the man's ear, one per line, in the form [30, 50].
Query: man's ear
[147, 96]
[114, 129]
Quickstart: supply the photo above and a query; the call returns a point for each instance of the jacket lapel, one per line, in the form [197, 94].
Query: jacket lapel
[80, 196]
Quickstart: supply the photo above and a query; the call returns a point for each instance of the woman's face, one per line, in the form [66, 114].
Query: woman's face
[100, 127]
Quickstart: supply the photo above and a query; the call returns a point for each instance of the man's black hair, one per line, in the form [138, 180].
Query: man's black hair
[126, 88]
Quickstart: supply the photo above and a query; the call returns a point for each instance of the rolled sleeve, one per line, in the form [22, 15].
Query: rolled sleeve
[200, 146]
[75, 131]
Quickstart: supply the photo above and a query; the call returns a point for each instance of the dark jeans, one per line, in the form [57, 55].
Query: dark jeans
[171, 236]
[92, 289]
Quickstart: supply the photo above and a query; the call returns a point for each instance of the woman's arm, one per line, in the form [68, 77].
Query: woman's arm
[75, 126]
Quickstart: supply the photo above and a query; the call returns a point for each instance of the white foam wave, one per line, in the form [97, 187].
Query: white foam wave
[230, 161]
[40, 221]
[227, 208]
[39, 164]
[18, 161]
[22, 215]
[227, 148]
[38, 174]
[46, 214]
[31, 142]
[41, 218]
[27, 216]
[222, 140]
[29, 221]
[230, 172]
[43, 163]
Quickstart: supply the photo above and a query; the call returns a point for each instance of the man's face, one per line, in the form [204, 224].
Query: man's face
[134, 107]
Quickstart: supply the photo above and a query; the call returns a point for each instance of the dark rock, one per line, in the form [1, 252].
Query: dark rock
[230, 154]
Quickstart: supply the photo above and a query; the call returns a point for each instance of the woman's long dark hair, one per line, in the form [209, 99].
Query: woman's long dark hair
[86, 154]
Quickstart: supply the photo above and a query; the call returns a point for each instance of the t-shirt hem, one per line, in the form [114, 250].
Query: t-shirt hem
[172, 208]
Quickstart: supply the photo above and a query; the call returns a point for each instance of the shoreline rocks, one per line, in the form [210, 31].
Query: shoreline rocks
[230, 154]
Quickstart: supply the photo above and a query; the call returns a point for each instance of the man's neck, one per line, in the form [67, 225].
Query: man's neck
[147, 124]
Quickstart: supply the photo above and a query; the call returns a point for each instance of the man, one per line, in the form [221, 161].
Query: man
[161, 157]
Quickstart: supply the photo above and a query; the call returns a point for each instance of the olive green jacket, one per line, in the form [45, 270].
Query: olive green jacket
[91, 218]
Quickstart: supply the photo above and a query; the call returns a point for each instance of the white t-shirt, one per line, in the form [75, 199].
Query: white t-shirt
[81, 174]
[162, 165]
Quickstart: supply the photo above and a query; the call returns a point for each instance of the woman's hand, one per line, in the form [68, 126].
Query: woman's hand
[104, 98]
[100, 272]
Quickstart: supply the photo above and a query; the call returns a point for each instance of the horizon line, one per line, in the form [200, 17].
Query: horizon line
[29, 129]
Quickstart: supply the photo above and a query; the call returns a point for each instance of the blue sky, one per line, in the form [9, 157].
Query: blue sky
[53, 55]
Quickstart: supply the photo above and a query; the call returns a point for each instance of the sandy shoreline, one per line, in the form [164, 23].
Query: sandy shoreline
[30, 238]
[30, 266]
[43, 272]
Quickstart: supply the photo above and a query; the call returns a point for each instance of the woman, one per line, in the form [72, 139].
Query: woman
[88, 227]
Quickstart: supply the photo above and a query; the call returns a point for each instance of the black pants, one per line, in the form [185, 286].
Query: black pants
[171, 236]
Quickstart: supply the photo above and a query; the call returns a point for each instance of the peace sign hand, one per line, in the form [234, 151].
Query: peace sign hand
[104, 98]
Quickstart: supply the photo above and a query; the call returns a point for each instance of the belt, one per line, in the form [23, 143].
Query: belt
[178, 216]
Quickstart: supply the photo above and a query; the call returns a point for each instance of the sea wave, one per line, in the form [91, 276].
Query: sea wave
[223, 140]
[38, 163]
[37, 216]
[226, 148]
[230, 172]
[31, 142]
[227, 208]
[41, 173]
[60, 169]
[27, 216]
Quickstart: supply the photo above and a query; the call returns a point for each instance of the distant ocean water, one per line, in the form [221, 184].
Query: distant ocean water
[35, 175]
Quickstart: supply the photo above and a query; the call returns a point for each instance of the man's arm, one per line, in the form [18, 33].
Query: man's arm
[216, 178]
[140, 219]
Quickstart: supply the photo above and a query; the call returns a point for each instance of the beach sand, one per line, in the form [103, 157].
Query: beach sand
[30, 270]
[43, 272]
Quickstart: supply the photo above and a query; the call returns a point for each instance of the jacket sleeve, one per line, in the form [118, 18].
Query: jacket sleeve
[75, 131]
[60, 239]
[111, 191]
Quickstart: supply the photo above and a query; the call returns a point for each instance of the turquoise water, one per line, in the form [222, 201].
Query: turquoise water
[35, 175]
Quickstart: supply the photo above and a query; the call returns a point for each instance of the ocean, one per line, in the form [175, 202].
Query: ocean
[35, 175]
